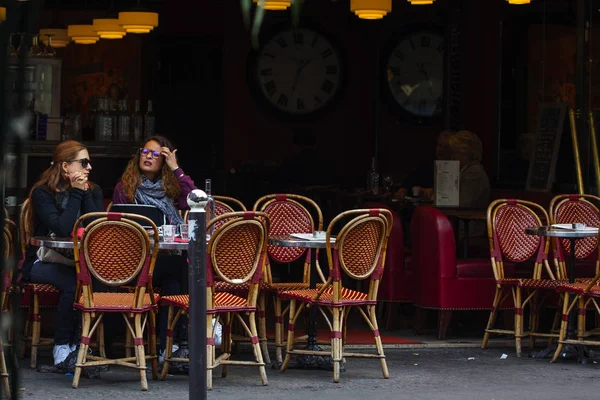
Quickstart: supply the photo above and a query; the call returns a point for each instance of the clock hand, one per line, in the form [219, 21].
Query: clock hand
[303, 63]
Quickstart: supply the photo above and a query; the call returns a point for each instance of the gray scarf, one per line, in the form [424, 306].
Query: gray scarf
[152, 193]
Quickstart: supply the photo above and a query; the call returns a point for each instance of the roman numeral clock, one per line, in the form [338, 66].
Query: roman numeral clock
[298, 72]
[414, 75]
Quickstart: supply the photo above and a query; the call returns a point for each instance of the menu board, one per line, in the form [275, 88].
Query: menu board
[446, 183]
[545, 154]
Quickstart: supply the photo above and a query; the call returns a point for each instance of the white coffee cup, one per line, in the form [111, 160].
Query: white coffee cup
[10, 200]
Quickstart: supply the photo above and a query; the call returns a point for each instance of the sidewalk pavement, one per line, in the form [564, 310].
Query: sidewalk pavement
[415, 374]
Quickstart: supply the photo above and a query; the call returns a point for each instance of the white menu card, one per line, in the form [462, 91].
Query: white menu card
[446, 183]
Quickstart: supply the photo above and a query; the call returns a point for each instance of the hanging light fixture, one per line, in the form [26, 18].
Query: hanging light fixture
[371, 9]
[420, 2]
[60, 37]
[82, 34]
[2, 14]
[518, 1]
[108, 28]
[274, 5]
[138, 19]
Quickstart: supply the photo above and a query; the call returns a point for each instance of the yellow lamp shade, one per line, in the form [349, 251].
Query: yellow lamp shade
[274, 5]
[518, 1]
[108, 28]
[60, 37]
[138, 22]
[371, 9]
[420, 2]
[2, 14]
[82, 34]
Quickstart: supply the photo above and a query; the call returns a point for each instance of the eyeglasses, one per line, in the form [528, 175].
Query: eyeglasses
[83, 161]
[145, 152]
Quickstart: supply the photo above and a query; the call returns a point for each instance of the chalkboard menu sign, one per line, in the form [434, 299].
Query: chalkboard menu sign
[543, 162]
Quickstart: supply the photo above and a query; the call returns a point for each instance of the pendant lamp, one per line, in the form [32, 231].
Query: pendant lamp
[371, 9]
[420, 2]
[60, 37]
[518, 1]
[274, 5]
[138, 19]
[108, 28]
[82, 34]
[2, 14]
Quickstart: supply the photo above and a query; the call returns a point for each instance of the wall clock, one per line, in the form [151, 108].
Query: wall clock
[298, 72]
[414, 71]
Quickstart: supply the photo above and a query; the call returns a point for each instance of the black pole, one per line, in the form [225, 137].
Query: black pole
[581, 105]
[197, 290]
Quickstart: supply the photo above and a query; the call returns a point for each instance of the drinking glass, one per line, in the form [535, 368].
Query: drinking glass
[184, 231]
[12, 51]
[35, 50]
[169, 233]
[49, 51]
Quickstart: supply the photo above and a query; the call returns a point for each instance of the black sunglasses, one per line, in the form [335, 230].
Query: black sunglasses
[155, 154]
[83, 161]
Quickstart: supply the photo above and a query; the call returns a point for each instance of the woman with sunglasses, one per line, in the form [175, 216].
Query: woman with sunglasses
[61, 195]
[154, 177]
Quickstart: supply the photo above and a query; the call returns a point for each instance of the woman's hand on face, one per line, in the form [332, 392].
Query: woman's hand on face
[170, 158]
[78, 180]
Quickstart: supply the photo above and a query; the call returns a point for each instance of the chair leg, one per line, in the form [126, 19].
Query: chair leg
[373, 317]
[336, 342]
[100, 339]
[518, 321]
[152, 343]
[210, 351]
[138, 341]
[563, 327]
[35, 331]
[83, 348]
[290, 340]
[492, 318]
[262, 326]
[279, 330]
[171, 321]
[226, 343]
[128, 343]
[444, 318]
[4, 371]
[256, 349]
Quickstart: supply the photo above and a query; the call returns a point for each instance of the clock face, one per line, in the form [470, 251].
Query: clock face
[298, 71]
[415, 73]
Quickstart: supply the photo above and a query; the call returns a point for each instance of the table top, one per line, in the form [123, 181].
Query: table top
[557, 232]
[67, 243]
[292, 241]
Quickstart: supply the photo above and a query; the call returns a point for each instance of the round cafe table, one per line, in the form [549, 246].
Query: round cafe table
[579, 352]
[67, 243]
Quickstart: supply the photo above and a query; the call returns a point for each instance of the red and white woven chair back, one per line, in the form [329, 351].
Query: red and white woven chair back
[237, 246]
[359, 245]
[510, 219]
[575, 208]
[287, 215]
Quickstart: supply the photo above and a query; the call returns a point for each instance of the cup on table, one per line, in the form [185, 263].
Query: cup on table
[416, 191]
[319, 234]
[10, 201]
[184, 231]
[169, 233]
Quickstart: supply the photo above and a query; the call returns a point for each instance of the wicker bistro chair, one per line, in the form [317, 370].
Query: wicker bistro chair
[115, 249]
[359, 252]
[288, 213]
[8, 243]
[568, 209]
[507, 221]
[236, 255]
[223, 205]
[35, 296]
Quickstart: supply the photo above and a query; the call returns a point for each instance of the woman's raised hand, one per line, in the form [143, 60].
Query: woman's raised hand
[170, 157]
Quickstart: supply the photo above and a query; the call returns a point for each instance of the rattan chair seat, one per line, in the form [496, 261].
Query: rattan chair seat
[117, 302]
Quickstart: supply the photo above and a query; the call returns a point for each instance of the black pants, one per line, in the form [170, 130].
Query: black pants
[170, 276]
[64, 278]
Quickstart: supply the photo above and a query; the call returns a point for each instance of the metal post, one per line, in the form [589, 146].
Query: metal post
[197, 200]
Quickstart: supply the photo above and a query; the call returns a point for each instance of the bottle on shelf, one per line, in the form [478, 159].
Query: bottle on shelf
[104, 121]
[124, 122]
[33, 121]
[113, 107]
[373, 178]
[149, 121]
[137, 123]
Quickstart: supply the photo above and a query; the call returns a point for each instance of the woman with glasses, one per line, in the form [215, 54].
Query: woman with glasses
[153, 177]
[61, 195]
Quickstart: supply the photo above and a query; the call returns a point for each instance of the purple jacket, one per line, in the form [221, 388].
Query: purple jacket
[185, 181]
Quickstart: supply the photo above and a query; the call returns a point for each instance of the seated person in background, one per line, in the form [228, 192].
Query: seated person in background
[474, 189]
[153, 176]
[422, 177]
